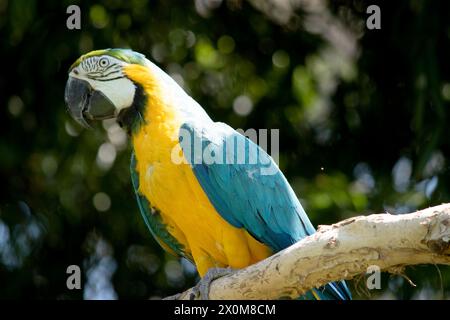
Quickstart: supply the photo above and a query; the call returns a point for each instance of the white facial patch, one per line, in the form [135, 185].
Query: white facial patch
[104, 74]
[119, 91]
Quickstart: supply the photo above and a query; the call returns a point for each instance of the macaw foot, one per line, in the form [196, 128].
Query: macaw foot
[201, 289]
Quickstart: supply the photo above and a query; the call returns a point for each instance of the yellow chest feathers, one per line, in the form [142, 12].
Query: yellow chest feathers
[173, 189]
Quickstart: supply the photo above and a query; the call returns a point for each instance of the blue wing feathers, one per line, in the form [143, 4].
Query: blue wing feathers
[264, 204]
[268, 209]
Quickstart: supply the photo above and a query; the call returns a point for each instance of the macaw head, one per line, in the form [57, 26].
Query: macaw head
[98, 87]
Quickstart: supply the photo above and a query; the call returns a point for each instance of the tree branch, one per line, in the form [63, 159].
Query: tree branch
[342, 251]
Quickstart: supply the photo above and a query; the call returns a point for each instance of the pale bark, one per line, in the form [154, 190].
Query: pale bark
[343, 251]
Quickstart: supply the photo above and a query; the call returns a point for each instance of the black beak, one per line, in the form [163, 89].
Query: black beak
[86, 104]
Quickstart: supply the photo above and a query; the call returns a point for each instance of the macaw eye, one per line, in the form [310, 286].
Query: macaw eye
[103, 62]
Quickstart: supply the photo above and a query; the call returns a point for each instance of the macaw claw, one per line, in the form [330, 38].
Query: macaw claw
[201, 289]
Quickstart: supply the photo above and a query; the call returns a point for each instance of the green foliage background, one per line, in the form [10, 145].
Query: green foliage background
[363, 118]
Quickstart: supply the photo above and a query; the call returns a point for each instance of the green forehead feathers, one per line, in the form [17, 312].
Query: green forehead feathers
[126, 55]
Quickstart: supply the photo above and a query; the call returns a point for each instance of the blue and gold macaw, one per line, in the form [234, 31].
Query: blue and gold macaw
[214, 213]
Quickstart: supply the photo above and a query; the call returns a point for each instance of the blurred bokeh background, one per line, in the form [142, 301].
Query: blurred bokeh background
[363, 117]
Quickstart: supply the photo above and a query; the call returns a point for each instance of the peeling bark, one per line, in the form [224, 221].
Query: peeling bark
[342, 251]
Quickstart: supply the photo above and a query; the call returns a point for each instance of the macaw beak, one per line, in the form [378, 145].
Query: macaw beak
[86, 104]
